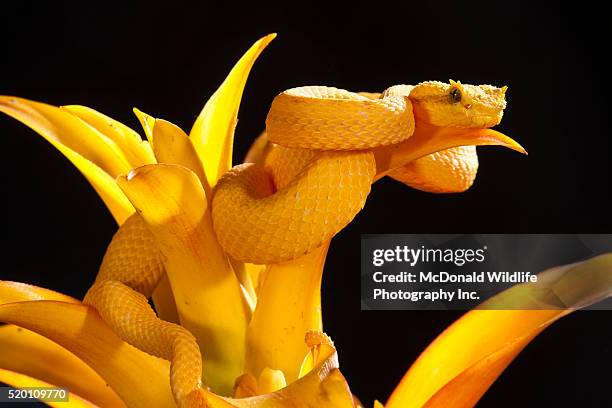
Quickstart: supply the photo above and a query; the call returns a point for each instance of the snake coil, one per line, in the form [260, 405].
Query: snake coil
[315, 180]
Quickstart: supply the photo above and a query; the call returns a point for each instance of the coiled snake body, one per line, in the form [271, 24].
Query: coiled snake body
[312, 180]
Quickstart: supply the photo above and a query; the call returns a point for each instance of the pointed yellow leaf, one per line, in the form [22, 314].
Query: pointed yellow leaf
[172, 146]
[461, 363]
[147, 122]
[429, 139]
[465, 390]
[210, 302]
[105, 185]
[20, 292]
[288, 306]
[61, 127]
[26, 352]
[213, 131]
[139, 379]
[245, 280]
[83, 145]
[137, 151]
[256, 274]
[18, 380]
[249, 275]
[321, 348]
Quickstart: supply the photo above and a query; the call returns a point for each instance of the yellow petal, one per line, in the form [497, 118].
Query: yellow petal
[461, 363]
[213, 131]
[429, 139]
[321, 348]
[256, 274]
[80, 330]
[208, 295]
[147, 122]
[137, 151]
[26, 352]
[245, 280]
[249, 275]
[323, 386]
[96, 156]
[172, 146]
[60, 127]
[18, 380]
[105, 185]
[466, 389]
[288, 306]
[270, 381]
[19, 292]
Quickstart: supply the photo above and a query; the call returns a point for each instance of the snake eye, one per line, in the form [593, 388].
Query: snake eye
[455, 95]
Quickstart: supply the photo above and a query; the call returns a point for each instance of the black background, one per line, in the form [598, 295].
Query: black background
[166, 59]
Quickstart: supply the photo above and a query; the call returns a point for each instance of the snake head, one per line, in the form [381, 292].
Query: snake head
[458, 105]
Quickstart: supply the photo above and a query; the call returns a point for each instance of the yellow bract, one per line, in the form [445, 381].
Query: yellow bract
[20, 292]
[96, 156]
[289, 305]
[172, 145]
[461, 364]
[147, 122]
[31, 354]
[213, 131]
[137, 151]
[80, 330]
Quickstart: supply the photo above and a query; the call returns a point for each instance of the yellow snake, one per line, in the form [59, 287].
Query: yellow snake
[310, 179]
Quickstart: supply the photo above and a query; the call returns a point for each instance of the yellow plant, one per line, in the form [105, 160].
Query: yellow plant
[232, 333]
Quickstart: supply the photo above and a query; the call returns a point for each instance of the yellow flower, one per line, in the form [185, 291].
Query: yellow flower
[259, 328]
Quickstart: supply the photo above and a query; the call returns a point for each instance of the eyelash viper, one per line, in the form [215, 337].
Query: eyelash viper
[311, 180]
